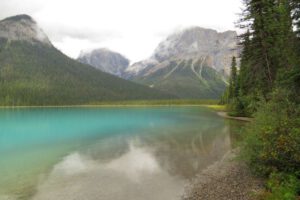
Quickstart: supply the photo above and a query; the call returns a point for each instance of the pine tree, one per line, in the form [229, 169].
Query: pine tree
[246, 76]
[293, 78]
[271, 39]
[233, 83]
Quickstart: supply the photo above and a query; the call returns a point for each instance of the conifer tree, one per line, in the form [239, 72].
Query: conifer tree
[271, 38]
[246, 77]
[233, 84]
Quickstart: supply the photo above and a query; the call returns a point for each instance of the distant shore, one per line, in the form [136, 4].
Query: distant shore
[137, 103]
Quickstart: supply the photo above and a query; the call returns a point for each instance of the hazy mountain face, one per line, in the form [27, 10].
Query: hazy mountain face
[190, 64]
[106, 61]
[22, 28]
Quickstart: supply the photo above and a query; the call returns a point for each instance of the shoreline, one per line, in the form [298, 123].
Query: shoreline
[225, 115]
[223, 180]
[127, 103]
[109, 105]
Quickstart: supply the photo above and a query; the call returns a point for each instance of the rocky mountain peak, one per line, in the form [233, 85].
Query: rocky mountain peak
[195, 40]
[105, 60]
[22, 28]
[20, 17]
[193, 43]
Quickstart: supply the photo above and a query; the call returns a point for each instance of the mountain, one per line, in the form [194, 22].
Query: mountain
[187, 79]
[193, 63]
[22, 28]
[194, 43]
[105, 60]
[34, 72]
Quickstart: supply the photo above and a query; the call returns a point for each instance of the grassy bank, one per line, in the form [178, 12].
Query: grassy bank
[160, 102]
[213, 104]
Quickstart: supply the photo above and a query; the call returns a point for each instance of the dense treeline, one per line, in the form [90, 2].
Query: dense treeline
[267, 87]
[38, 74]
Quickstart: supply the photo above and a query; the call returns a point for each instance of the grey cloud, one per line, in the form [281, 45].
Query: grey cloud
[55, 31]
[58, 33]
[14, 7]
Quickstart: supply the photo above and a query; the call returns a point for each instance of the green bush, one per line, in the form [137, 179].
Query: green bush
[237, 107]
[243, 106]
[281, 187]
[272, 142]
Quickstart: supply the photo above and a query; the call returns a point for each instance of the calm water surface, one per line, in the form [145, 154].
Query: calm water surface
[107, 153]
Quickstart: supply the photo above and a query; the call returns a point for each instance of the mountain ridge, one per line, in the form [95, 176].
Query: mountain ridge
[193, 42]
[34, 72]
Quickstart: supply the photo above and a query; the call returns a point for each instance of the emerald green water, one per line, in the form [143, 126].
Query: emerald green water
[107, 153]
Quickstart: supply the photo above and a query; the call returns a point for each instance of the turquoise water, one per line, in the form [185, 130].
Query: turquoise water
[107, 153]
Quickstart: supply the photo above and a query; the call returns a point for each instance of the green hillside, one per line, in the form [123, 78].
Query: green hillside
[38, 74]
[182, 79]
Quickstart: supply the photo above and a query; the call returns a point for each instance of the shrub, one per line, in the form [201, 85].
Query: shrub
[281, 186]
[272, 142]
[243, 106]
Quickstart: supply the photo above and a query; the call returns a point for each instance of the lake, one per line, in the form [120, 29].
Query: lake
[111, 153]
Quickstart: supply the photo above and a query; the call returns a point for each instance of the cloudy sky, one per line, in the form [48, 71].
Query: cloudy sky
[131, 27]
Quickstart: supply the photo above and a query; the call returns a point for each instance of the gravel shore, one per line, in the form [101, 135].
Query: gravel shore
[225, 115]
[227, 179]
